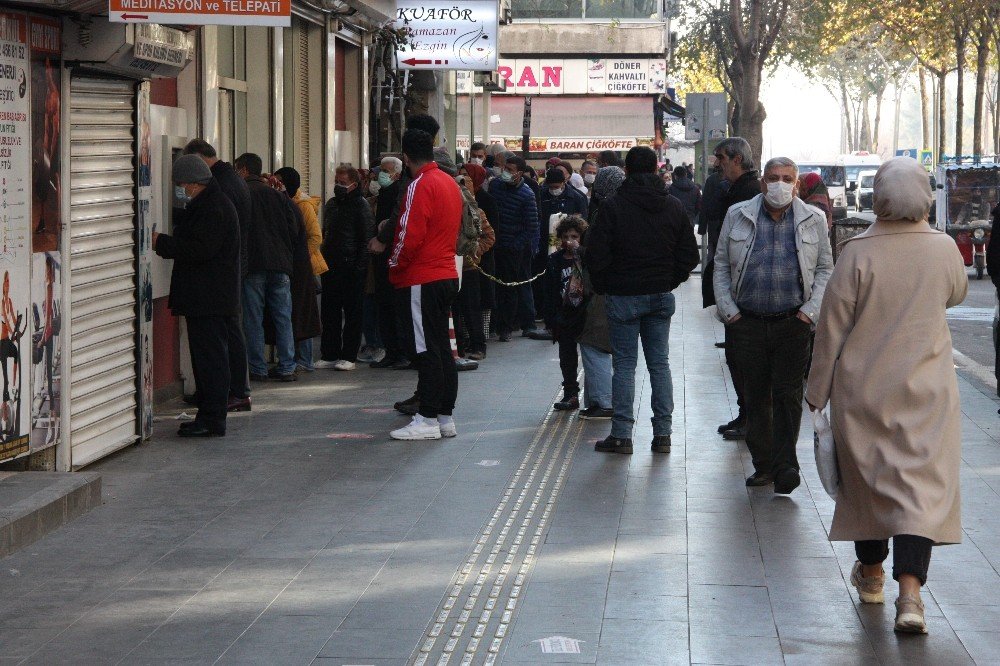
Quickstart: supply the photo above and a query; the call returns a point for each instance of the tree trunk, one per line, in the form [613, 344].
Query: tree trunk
[982, 63]
[996, 114]
[751, 112]
[925, 112]
[878, 120]
[942, 118]
[961, 37]
[865, 138]
[845, 103]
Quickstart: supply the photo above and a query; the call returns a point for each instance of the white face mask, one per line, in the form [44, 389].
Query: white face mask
[588, 178]
[476, 160]
[779, 194]
[374, 187]
[556, 191]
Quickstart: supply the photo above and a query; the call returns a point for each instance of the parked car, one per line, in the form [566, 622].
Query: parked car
[866, 185]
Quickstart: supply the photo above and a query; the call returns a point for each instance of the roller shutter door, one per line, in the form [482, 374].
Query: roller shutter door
[303, 104]
[103, 388]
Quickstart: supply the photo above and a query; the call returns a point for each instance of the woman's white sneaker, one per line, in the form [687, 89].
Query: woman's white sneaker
[418, 429]
[447, 425]
[344, 365]
[870, 589]
[910, 615]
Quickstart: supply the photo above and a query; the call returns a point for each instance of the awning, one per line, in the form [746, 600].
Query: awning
[576, 124]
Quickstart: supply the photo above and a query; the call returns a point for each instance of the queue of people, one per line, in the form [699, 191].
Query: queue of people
[597, 261]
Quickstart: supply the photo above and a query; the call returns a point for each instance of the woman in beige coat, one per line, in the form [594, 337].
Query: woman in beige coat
[883, 360]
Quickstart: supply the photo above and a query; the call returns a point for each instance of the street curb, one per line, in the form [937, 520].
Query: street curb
[60, 497]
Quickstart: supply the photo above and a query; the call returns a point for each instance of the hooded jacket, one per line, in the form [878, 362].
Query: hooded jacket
[642, 241]
[273, 230]
[309, 208]
[688, 193]
[348, 225]
[428, 227]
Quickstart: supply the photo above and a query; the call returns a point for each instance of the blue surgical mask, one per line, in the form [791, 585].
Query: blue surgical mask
[496, 171]
[506, 176]
[181, 196]
[384, 179]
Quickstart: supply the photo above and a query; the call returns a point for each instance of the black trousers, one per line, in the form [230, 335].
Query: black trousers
[342, 313]
[772, 356]
[469, 318]
[910, 554]
[208, 339]
[734, 372]
[515, 305]
[427, 341]
[569, 364]
[384, 295]
[238, 379]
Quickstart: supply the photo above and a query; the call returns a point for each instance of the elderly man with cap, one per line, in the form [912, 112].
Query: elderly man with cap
[204, 286]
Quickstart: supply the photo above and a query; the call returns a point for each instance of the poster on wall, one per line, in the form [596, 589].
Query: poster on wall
[15, 221]
[46, 351]
[145, 221]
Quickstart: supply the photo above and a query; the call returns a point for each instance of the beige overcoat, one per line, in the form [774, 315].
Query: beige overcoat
[883, 359]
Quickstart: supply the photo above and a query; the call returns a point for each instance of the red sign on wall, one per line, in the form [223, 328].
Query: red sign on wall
[277, 13]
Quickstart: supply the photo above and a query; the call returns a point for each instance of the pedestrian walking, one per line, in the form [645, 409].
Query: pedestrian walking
[423, 270]
[736, 162]
[305, 312]
[771, 269]
[517, 243]
[687, 192]
[884, 363]
[639, 250]
[713, 211]
[390, 171]
[204, 287]
[238, 193]
[348, 227]
[271, 239]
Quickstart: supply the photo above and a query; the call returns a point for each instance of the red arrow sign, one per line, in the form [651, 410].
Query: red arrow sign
[413, 61]
[126, 17]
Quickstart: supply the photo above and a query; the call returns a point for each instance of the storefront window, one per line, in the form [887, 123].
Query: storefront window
[589, 9]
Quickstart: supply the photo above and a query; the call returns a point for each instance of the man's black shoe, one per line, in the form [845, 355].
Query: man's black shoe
[596, 413]
[258, 378]
[282, 377]
[239, 404]
[465, 364]
[386, 362]
[759, 479]
[720, 345]
[191, 399]
[733, 434]
[729, 426]
[410, 406]
[567, 404]
[503, 337]
[402, 364]
[786, 481]
[538, 334]
[661, 444]
[614, 445]
[198, 430]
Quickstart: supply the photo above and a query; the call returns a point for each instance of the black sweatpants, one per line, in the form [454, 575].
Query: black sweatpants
[469, 315]
[570, 366]
[208, 339]
[341, 311]
[425, 310]
[910, 554]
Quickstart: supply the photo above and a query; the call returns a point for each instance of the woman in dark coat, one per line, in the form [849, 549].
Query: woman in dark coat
[486, 202]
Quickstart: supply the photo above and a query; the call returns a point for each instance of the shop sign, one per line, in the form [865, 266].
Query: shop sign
[161, 47]
[602, 76]
[276, 13]
[574, 145]
[448, 35]
[15, 236]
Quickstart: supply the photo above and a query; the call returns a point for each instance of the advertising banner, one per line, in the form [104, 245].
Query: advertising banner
[577, 76]
[15, 242]
[448, 35]
[275, 13]
[145, 223]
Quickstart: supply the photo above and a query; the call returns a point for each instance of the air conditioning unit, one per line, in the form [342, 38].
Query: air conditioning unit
[490, 82]
[505, 14]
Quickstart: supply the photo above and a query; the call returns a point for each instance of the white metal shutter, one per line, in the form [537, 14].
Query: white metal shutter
[303, 104]
[103, 386]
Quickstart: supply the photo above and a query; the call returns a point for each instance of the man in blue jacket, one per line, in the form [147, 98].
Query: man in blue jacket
[516, 246]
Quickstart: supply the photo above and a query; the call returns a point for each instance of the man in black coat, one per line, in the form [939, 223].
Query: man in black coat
[271, 237]
[639, 250]
[735, 158]
[238, 193]
[204, 287]
[390, 172]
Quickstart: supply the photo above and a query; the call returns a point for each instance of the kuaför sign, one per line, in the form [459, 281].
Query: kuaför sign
[276, 13]
[448, 35]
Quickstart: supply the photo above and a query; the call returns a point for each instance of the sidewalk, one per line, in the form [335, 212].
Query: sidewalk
[305, 534]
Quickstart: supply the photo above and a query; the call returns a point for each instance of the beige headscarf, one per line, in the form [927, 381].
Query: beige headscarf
[902, 191]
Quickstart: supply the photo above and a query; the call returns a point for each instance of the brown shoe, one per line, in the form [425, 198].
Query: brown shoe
[869, 588]
[910, 615]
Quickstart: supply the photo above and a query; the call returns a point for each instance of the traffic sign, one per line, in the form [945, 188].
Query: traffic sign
[907, 152]
[706, 116]
[448, 35]
[276, 13]
[927, 158]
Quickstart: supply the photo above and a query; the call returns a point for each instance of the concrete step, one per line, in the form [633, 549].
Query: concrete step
[32, 504]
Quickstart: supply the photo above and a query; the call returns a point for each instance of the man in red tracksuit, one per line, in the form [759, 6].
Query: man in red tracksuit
[423, 271]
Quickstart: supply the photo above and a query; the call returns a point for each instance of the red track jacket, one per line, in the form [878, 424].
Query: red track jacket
[427, 230]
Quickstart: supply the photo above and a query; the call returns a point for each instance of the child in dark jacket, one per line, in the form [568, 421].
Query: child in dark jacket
[564, 305]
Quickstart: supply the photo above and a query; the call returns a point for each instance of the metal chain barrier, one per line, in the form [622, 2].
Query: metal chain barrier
[498, 280]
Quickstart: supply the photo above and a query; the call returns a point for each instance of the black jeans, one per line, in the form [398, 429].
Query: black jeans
[515, 305]
[238, 384]
[569, 364]
[772, 357]
[469, 318]
[341, 313]
[384, 295]
[734, 372]
[910, 554]
[426, 339]
[209, 343]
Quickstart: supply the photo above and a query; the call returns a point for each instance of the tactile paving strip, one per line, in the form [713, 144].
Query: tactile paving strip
[481, 603]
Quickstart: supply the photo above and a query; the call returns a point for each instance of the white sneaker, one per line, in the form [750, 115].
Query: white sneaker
[419, 428]
[447, 425]
[325, 365]
[344, 365]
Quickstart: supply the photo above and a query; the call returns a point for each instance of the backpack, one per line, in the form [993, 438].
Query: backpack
[472, 227]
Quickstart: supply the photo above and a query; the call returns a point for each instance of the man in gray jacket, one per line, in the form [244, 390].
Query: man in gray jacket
[771, 267]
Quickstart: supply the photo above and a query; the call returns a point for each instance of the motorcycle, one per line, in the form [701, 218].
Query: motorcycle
[979, 236]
